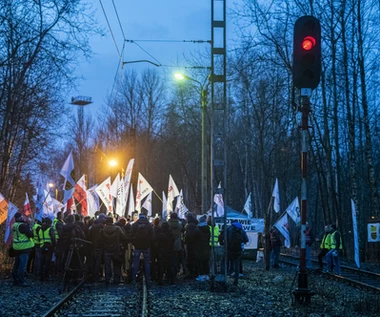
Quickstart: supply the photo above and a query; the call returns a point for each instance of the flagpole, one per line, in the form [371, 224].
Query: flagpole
[157, 195]
[267, 225]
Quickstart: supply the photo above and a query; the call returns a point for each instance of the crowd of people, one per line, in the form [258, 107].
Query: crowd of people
[120, 249]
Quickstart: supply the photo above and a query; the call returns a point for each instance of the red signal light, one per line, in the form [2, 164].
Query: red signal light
[308, 43]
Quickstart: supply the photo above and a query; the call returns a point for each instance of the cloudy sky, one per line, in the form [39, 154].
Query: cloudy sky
[142, 20]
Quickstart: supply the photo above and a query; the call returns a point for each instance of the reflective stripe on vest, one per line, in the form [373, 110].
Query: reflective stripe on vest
[20, 240]
[45, 236]
[36, 238]
[216, 234]
[333, 241]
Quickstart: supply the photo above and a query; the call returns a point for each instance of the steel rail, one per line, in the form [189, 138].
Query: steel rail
[65, 299]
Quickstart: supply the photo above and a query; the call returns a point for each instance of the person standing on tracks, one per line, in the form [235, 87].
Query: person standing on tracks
[165, 244]
[112, 238]
[335, 245]
[275, 246]
[22, 244]
[235, 238]
[142, 239]
[325, 246]
[48, 243]
[176, 228]
[97, 249]
[203, 250]
[192, 238]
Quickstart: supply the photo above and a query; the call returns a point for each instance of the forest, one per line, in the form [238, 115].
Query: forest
[158, 121]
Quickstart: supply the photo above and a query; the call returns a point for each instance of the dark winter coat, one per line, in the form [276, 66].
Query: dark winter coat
[94, 233]
[142, 234]
[164, 241]
[192, 235]
[176, 228]
[112, 238]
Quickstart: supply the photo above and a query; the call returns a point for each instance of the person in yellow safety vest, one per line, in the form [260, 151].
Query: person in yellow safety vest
[335, 246]
[22, 244]
[48, 242]
[325, 246]
[58, 227]
[214, 228]
[58, 224]
[35, 256]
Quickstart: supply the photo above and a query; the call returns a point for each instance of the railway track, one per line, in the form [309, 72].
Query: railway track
[359, 278]
[90, 300]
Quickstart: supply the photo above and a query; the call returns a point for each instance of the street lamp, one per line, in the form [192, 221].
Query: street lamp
[203, 89]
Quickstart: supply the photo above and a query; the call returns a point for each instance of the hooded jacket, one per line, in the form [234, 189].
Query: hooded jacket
[112, 237]
[142, 234]
[176, 228]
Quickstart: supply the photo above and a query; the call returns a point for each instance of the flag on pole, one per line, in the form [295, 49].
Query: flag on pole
[127, 179]
[218, 200]
[57, 205]
[27, 210]
[12, 209]
[276, 195]
[148, 205]
[181, 208]
[248, 207]
[121, 201]
[143, 190]
[92, 201]
[80, 194]
[164, 206]
[131, 203]
[3, 209]
[294, 211]
[115, 185]
[172, 193]
[40, 198]
[356, 235]
[283, 226]
[67, 168]
[48, 206]
[104, 193]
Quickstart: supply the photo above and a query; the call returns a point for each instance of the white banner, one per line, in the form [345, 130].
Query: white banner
[252, 243]
[143, 190]
[249, 225]
[248, 206]
[104, 193]
[373, 232]
[276, 195]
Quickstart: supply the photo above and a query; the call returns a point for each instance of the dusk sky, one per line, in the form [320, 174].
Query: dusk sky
[143, 20]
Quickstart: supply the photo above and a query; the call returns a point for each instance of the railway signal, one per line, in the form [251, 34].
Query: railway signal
[307, 52]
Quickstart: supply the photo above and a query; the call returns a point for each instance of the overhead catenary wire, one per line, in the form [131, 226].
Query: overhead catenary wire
[118, 19]
[110, 29]
[170, 41]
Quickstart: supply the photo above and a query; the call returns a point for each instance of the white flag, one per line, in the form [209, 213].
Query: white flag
[294, 211]
[248, 206]
[218, 200]
[127, 178]
[48, 207]
[148, 205]
[12, 210]
[115, 185]
[121, 201]
[282, 226]
[172, 193]
[131, 204]
[143, 190]
[39, 199]
[104, 193]
[276, 195]
[180, 208]
[67, 168]
[356, 236]
[92, 201]
[164, 206]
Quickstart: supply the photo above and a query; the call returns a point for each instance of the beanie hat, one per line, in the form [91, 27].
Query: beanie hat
[122, 221]
[109, 221]
[102, 216]
[173, 215]
[203, 218]
[18, 215]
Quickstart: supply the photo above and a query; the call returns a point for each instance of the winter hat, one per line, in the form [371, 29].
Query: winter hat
[102, 216]
[173, 215]
[237, 225]
[203, 218]
[69, 218]
[164, 225]
[18, 215]
[122, 221]
[109, 221]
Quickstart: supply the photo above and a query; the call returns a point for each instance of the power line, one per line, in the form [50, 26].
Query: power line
[110, 29]
[171, 41]
[144, 50]
[117, 15]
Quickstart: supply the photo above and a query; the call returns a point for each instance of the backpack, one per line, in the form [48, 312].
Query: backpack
[235, 241]
[142, 232]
